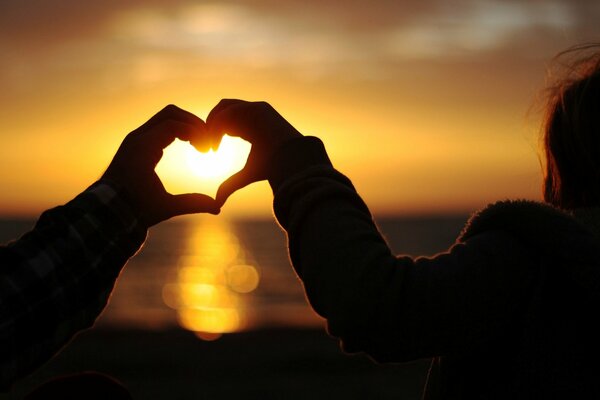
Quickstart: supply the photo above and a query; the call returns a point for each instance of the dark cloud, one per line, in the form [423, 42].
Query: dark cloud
[362, 39]
[39, 24]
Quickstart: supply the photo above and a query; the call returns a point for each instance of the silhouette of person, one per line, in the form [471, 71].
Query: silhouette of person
[508, 312]
[56, 279]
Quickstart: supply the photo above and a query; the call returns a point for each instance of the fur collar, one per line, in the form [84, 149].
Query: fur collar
[568, 239]
[590, 217]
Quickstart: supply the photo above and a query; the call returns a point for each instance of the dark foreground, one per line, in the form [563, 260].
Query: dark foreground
[268, 364]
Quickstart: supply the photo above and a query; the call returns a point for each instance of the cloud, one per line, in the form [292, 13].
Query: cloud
[147, 41]
[474, 26]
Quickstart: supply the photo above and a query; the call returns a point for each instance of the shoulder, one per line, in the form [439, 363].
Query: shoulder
[556, 235]
[521, 218]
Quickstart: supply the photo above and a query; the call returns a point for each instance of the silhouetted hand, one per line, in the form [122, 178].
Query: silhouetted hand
[259, 124]
[133, 166]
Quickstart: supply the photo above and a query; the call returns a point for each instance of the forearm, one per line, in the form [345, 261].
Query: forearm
[349, 273]
[57, 278]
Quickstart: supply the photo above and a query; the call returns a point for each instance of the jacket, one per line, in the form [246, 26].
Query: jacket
[506, 312]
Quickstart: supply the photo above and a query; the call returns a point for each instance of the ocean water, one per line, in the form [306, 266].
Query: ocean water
[213, 276]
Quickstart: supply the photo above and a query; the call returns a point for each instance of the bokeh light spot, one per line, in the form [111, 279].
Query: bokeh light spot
[242, 278]
[211, 276]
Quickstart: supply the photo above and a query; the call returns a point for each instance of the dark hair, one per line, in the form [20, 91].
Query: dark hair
[571, 131]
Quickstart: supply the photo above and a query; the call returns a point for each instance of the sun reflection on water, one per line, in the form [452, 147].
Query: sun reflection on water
[213, 277]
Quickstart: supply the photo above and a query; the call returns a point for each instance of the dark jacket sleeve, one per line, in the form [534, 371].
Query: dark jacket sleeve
[394, 308]
[57, 278]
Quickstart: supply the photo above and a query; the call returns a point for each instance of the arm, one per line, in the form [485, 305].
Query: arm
[56, 279]
[393, 308]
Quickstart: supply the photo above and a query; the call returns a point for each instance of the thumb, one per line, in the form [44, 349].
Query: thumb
[192, 203]
[234, 183]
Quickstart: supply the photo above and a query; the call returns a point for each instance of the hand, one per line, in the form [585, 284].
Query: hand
[259, 124]
[133, 166]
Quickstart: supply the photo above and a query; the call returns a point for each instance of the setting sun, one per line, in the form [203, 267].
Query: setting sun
[184, 169]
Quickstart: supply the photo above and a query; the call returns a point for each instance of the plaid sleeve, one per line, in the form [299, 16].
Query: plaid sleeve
[56, 279]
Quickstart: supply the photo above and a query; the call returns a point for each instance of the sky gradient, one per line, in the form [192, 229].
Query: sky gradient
[428, 107]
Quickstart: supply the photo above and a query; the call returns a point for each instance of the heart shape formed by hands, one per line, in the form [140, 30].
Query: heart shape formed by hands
[183, 169]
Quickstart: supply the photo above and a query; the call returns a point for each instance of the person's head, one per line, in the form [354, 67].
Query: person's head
[571, 132]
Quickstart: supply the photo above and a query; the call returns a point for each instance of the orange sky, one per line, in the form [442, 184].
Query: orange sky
[423, 105]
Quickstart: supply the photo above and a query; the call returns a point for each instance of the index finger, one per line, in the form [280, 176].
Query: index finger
[171, 115]
[171, 111]
[164, 132]
[235, 117]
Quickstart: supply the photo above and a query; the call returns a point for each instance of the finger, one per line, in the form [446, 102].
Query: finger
[171, 112]
[238, 119]
[192, 203]
[214, 121]
[203, 145]
[205, 142]
[224, 103]
[166, 131]
[215, 142]
[214, 135]
[232, 184]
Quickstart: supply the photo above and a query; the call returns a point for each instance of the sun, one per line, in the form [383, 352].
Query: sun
[217, 164]
[183, 169]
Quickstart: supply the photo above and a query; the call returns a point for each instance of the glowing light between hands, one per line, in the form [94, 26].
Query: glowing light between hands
[184, 169]
[229, 158]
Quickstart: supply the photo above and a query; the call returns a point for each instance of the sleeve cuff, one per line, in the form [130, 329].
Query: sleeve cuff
[296, 156]
[111, 196]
